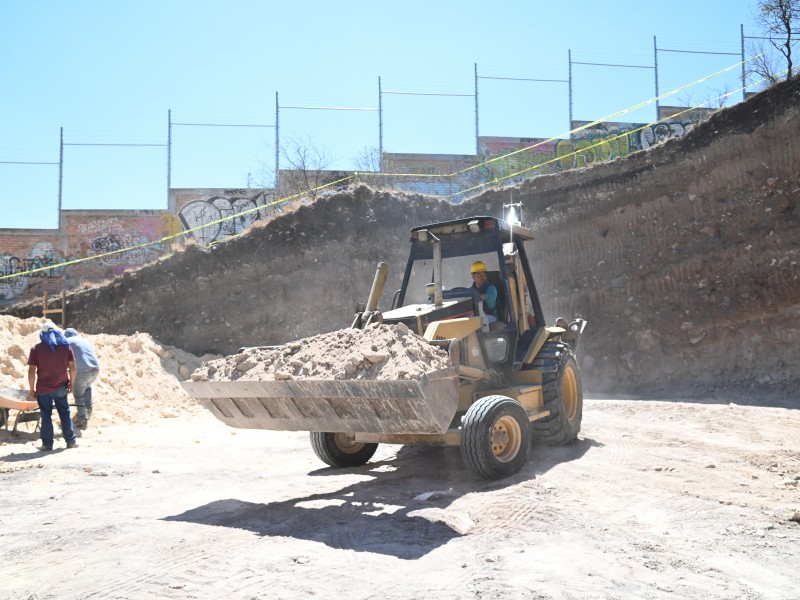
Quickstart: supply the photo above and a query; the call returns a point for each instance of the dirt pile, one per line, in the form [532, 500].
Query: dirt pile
[379, 352]
[139, 378]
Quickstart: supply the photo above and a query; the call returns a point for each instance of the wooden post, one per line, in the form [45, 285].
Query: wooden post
[63, 310]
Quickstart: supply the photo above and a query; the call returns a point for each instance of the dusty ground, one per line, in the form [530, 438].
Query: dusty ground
[657, 499]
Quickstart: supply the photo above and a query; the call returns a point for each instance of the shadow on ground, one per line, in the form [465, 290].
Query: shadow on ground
[402, 510]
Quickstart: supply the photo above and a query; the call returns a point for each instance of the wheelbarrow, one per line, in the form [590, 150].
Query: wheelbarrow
[19, 401]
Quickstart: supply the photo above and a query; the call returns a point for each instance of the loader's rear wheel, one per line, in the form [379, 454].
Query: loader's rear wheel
[563, 395]
[496, 437]
[339, 449]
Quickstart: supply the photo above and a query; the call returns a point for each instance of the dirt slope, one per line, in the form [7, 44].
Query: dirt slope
[684, 260]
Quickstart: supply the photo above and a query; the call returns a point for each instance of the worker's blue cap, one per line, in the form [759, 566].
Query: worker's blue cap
[70, 332]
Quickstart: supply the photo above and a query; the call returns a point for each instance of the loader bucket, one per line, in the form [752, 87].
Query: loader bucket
[426, 405]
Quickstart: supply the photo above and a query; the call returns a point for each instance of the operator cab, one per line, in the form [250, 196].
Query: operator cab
[437, 284]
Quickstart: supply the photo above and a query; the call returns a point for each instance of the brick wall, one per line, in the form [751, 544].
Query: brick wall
[93, 246]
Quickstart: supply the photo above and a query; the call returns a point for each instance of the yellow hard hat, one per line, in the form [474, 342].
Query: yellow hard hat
[478, 267]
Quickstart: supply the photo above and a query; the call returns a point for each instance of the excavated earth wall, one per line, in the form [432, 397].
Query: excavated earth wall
[684, 259]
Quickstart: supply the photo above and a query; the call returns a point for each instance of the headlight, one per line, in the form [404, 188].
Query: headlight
[496, 348]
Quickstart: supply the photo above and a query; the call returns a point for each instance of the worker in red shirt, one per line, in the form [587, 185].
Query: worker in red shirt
[51, 371]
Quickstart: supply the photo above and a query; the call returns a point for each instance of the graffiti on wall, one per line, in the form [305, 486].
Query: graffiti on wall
[655, 134]
[42, 256]
[122, 244]
[513, 159]
[608, 141]
[212, 219]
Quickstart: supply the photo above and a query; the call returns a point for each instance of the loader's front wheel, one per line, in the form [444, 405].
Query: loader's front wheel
[340, 450]
[496, 437]
[562, 391]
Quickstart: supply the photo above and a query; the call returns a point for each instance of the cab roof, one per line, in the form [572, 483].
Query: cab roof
[506, 230]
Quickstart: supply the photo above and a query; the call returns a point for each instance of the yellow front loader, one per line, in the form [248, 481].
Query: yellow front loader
[511, 379]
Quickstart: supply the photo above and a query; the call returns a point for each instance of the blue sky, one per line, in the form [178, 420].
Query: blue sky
[108, 72]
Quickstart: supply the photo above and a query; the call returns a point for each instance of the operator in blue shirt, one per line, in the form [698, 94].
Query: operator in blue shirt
[487, 290]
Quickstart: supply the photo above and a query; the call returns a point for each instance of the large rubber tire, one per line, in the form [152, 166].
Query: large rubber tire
[563, 395]
[337, 450]
[495, 437]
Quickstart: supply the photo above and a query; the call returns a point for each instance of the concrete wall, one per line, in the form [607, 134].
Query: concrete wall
[441, 175]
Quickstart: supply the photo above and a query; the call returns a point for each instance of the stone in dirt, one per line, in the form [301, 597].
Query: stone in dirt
[379, 352]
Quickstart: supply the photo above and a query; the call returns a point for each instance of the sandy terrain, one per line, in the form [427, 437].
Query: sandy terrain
[657, 499]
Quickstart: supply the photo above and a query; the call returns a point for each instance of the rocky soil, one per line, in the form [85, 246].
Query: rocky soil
[379, 352]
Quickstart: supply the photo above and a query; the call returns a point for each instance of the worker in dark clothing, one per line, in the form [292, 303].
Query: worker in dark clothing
[51, 371]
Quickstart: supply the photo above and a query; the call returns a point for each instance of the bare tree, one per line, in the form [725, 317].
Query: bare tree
[781, 22]
[368, 161]
[703, 102]
[765, 65]
[305, 169]
[307, 166]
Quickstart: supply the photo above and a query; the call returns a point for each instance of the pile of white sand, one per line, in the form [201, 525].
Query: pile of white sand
[139, 378]
[379, 352]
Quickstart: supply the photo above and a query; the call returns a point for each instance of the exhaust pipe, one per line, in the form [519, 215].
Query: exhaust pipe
[377, 286]
[371, 313]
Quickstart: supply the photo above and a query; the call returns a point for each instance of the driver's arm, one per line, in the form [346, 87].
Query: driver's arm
[490, 297]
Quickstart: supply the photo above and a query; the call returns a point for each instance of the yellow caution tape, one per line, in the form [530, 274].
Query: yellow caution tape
[356, 174]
